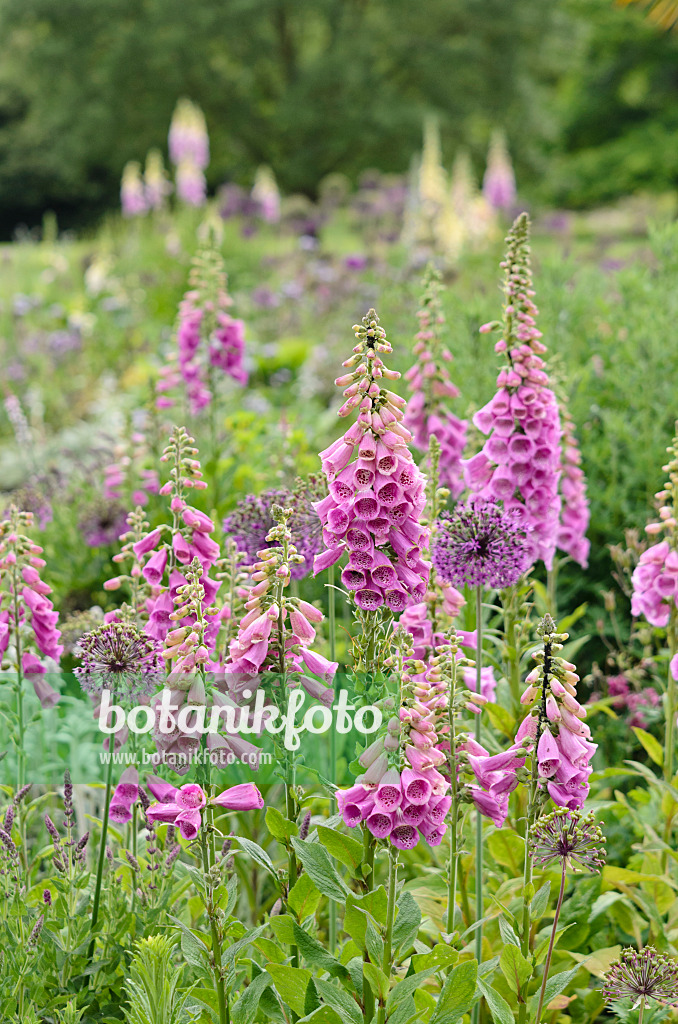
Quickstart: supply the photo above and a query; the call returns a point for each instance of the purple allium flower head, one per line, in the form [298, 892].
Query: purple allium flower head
[430, 382]
[119, 657]
[103, 523]
[570, 837]
[642, 975]
[519, 463]
[481, 544]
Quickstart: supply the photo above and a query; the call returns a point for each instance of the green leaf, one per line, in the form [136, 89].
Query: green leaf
[406, 988]
[539, 904]
[245, 1010]
[499, 1008]
[408, 920]
[501, 719]
[342, 847]
[319, 866]
[458, 993]
[254, 851]
[304, 897]
[404, 1012]
[374, 944]
[440, 956]
[282, 926]
[323, 1015]
[341, 1001]
[194, 949]
[506, 931]
[232, 890]
[515, 968]
[554, 986]
[651, 745]
[281, 828]
[507, 849]
[378, 981]
[290, 984]
[316, 955]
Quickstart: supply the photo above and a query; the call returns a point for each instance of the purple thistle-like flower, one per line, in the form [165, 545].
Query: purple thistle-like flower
[250, 521]
[120, 658]
[570, 837]
[642, 975]
[481, 544]
[103, 523]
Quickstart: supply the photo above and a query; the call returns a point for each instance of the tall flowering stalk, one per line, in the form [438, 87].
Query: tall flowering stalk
[519, 463]
[655, 591]
[266, 195]
[28, 622]
[376, 492]
[558, 742]
[189, 151]
[577, 842]
[499, 183]
[574, 513]
[132, 195]
[480, 545]
[156, 186]
[429, 379]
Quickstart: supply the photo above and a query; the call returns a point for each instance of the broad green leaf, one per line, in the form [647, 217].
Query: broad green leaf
[507, 849]
[457, 995]
[540, 902]
[304, 897]
[340, 1000]
[269, 948]
[499, 1008]
[408, 920]
[316, 955]
[406, 987]
[254, 851]
[515, 967]
[651, 745]
[323, 1015]
[280, 827]
[378, 981]
[404, 1012]
[342, 847]
[245, 1010]
[290, 984]
[506, 931]
[317, 863]
[282, 926]
[440, 956]
[554, 986]
[374, 944]
[501, 719]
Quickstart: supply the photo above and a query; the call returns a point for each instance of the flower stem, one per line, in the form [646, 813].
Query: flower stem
[553, 939]
[20, 753]
[368, 860]
[513, 668]
[454, 817]
[642, 1010]
[332, 610]
[669, 739]
[551, 588]
[211, 913]
[386, 961]
[479, 817]
[102, 851]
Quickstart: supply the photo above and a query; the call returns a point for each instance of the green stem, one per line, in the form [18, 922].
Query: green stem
[216, 941]
[387, 958]
[20, 753]
[551, 588]
[332, 614]
[553, 939]
[479, 817]
[642, 1010]
[368, 861]
[454, 823]
[102, 849]
[669, 739]
[513, 672]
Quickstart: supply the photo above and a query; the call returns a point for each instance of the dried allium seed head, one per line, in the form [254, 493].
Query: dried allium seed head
[570, 837]
[642, 975]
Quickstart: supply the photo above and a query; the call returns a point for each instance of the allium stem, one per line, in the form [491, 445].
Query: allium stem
[513, 656]
[102, 853]
[479, 817]
[551, 943]
[642, 1010]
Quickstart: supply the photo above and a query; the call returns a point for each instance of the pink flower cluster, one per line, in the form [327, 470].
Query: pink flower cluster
[182, 807]
[574, 515]
[655, 584]
[191, 186]
[188, 138]
[125, 795]
[564, 747]
[495, 776]
[519, 463]
[499, 183]
[122, 474]
[376, 492]
[208, 339]
[132, 194]
[429, 380]
[20, 564]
